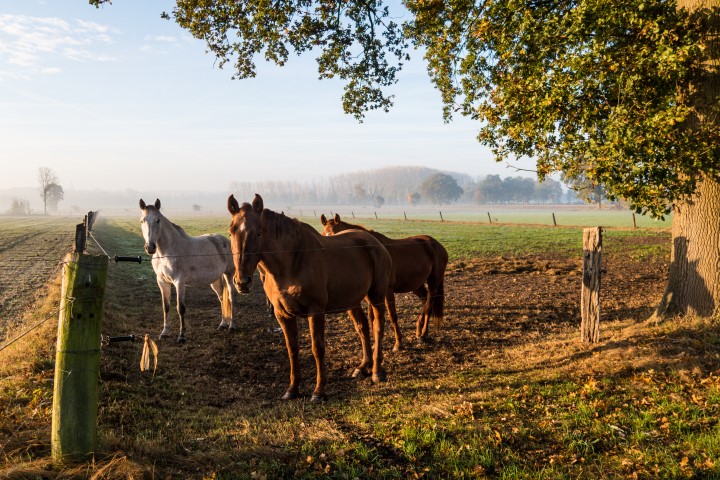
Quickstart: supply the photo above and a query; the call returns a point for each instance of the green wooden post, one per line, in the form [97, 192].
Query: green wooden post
[77, 359]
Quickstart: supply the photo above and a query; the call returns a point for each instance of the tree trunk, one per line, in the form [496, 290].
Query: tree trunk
[694, 278]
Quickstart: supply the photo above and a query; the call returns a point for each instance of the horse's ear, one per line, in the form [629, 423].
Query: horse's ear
[157, 204]
[142, 204]
[337, 218]
[233, 206]
[257, 204]
[323, 220]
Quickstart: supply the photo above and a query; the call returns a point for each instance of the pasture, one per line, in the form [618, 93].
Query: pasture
[504, 390]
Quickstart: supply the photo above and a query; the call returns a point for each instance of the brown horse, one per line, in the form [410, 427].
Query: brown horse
[417, 261]
[309, 275]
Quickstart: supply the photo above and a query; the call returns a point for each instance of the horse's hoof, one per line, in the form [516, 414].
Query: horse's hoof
[360, 372]
[379, 377]
[289, 396]
[181, 340]
[318, 398]
[423, 340]
[162, 336]
[232, 328]
[223, 326]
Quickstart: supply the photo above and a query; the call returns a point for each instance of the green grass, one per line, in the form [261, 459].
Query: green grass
[465, 240]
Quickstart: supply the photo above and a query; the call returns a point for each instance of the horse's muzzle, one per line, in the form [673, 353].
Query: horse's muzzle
[150, 248]
[243, 286]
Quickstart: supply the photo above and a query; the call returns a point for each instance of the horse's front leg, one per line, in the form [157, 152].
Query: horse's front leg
[361, 326]
[165, 292]
[289, 328]
[316, 324]
[180, 292]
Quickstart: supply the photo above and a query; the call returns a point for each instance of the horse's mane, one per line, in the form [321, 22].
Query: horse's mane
[356, 227]
[180, 230]
[278, 225]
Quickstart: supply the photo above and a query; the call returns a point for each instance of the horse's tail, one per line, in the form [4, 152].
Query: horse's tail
[226, 299]
[437, 301]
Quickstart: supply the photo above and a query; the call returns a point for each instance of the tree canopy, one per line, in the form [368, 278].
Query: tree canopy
[441, 188]
[586, 87]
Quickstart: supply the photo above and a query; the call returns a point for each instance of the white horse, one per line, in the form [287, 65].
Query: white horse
[181, 260]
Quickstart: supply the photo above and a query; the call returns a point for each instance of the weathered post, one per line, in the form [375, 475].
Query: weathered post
[634, 222]
[77, 359]
[489, 219]
[441, 217]
[405, 215]
[353, 214]
[554, 221]
[590, 295]
[375, 215]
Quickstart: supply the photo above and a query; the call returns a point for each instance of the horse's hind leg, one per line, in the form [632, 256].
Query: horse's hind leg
[218, 287]
[165, 292]
[424, 319]
[361, 326]
[316, 324]
[392, 313]
[378, 372]
[180, 291]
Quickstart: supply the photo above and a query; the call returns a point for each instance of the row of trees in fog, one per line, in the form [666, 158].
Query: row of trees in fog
[408, 186]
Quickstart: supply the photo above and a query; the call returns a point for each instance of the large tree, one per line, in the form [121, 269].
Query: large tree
[622, 93]
[441, 189]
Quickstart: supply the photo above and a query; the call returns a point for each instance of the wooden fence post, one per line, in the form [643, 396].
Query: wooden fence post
[634, 223]
[554, 221]
[77, 358]
[489, 219]
[375, 215]
[590, 295]
[441, 217]
[405, 215]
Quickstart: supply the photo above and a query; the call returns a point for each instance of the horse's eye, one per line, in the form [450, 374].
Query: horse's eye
[157, 221]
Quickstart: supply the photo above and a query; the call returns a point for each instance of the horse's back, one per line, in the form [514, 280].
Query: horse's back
[414, 260]
[197, 260]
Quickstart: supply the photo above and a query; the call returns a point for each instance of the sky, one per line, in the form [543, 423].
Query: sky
[118, 98]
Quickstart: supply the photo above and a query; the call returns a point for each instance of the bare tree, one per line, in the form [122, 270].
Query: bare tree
[49, 187]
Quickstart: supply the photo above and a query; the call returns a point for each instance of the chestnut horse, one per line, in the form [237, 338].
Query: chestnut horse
[308, 275]
[181, 260]
[417, 261]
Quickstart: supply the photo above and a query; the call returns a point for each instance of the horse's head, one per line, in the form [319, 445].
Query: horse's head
[150, 224]
[245, 240]
[333, 226]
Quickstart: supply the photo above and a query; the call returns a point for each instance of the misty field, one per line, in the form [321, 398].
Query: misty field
[504, 390]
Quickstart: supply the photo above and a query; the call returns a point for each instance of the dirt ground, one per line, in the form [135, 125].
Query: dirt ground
[492, 304]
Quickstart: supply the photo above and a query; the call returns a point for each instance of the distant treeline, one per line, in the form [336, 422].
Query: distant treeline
[402, 186]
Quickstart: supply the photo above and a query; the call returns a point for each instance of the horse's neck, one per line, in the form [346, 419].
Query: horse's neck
[170, 238]
[280, 255]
